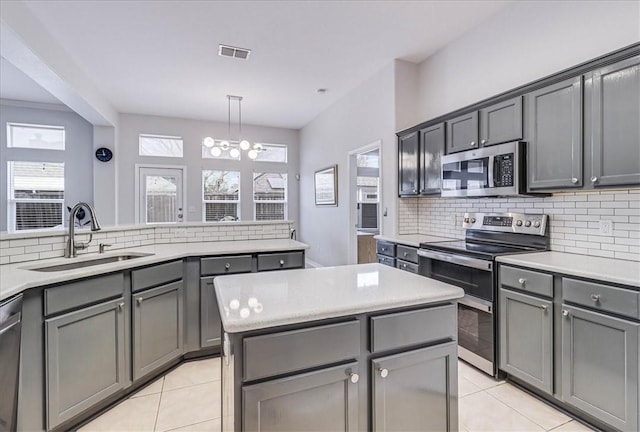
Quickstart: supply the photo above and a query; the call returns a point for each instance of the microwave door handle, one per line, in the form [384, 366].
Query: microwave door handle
[492, 171]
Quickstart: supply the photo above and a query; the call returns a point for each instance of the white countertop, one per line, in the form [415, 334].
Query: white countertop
[603, 269]
[256, 301]
[411, 239]
[15, 278]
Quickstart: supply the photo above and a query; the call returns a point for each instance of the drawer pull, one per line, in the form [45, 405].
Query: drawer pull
[595, 297]
[405, 254]
[472, 143]
[120, 306]
[565, 313]
[139, 300]
[354, 378]
[383, 372]
[281, 263]
[544, 308]
[522, 281]
[383, 249]
[227, 266]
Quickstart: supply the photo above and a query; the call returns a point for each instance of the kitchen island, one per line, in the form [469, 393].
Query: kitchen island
[360, 347]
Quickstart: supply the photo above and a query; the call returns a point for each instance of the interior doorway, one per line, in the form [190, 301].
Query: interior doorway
[364, 202]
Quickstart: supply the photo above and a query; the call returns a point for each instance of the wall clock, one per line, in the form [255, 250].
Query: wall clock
[103, 154]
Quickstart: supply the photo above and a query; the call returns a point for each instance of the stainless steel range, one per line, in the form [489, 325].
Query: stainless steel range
[470, 265]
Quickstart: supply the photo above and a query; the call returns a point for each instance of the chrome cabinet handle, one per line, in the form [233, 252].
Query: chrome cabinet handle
[139, 300]
[354, 378]
[483, 141]
[227, 266]
[574, 180]
[383, 249]
[120, 306]
[522, 281]
[281, 263]
[383, 372]
[544, 308]
[565, 313]
[595, 297]
[594, 179]
[472, 143]
[415, 191]
[404, 254]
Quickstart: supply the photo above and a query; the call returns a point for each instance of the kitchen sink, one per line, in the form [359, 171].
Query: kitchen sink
[90, 262]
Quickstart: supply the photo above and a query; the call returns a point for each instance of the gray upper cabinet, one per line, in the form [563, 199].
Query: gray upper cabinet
[433, 401]
[290, 404]
[408, 180]
[462, 133]
[431, 151]
[501, 122]
[600, 366]
[554, 151]
[526, 338]
[612, 113]
[210, 324]
[85, 359]
[157, 327]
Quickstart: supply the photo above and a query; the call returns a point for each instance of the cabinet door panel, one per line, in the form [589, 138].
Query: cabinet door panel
[462, 133]
[600, 366]
[526, 338]
[501, 122]
[431, 151]
[85, 359]
[613, 132]
[324, 400]
[157, 327]
[408, 146]
[554, 151]
[416, 390]
[210, 324]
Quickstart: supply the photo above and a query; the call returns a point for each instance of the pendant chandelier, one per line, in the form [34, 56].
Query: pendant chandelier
[218, 147]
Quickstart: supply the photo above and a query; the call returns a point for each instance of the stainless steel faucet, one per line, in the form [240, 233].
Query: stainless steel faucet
[72, 246]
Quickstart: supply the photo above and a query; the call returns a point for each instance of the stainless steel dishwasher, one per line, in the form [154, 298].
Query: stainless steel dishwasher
[10, 327]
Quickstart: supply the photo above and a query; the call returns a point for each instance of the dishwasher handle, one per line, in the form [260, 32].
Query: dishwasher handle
[10, 322]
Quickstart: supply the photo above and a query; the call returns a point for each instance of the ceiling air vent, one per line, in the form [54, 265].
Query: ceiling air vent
[231, 51]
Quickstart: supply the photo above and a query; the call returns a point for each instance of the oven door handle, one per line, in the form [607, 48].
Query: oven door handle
[457, 259]
[476, 303]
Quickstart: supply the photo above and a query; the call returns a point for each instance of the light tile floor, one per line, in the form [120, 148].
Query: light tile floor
[188, 399]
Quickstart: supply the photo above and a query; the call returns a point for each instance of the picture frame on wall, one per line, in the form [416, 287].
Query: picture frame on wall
[326, 186]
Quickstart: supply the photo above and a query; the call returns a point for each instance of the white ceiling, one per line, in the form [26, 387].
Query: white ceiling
[14, 84]
[160, 57]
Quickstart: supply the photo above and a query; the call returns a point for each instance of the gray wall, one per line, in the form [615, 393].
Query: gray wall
[77, 156]
[192, 132]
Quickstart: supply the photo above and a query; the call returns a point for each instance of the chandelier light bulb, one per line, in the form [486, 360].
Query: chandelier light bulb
[245, 145]
[252, 154]
[234, 153]
[208, 142]
[224, 145]
[216, 151]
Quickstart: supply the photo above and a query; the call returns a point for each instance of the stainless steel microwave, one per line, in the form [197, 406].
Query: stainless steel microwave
[498, 170]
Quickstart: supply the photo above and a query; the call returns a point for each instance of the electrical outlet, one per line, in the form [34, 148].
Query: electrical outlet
[606, 227]
[180, 232]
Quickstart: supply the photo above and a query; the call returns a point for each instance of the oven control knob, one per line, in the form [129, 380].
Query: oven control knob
[537, 224]
[473, 220]
[518, 222]
[527, 224]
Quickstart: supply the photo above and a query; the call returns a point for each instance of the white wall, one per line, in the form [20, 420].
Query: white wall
[77, 156]
[363, 116]
[192, 132]
[526, 41]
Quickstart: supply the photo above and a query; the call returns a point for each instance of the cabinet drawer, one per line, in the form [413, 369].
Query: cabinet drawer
[404, 329]
[526, 280]
[385, 248]
[156, 275]
[410, 267]
[603, 297]
[295, 350]
[406, 253]
[277, 261]
[225, 265]
[387, 260]
[84, 292]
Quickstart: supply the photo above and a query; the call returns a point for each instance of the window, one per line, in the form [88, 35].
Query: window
[222, 151]
[270, 196]
[156, 145]
[272, 153]
[35, 136]
[36, 195]
[221, 195]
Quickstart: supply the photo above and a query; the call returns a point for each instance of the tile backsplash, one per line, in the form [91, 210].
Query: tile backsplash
[574, 216]
[20, 247]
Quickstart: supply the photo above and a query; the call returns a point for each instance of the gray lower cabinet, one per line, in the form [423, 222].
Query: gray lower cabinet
[291, 404]
[526, 338]
[416, 390]
[210, 324]
[554, 151]
[85, 359]
[501, 122]
[462, 133]
[612, 110]
[600, 366]
[157, 327]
